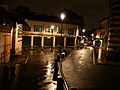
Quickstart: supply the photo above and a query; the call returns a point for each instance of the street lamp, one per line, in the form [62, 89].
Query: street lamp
[62, 16]
[92, 35]
[52, 27]
[83, 30]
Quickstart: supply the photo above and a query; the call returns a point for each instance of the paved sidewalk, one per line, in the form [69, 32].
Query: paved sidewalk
[80, 72]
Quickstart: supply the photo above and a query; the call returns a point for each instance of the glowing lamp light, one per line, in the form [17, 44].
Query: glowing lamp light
[92, 35]
[62, 16]
[52, 27]
[83, 30]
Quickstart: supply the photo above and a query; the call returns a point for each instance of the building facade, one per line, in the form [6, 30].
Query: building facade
[113, 48]
[104, 32]
[43, 34]
[6, 41]
[9, 40]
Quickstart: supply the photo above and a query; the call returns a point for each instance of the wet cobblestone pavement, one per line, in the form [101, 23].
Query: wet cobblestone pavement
[35, 73]
[82, 74]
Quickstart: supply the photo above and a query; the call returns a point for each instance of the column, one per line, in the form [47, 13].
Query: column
[75, 42]
[65, 42]
[42, 42]
[53, 42]
[32, 38]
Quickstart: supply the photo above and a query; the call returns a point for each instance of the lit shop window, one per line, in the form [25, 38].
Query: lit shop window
[37, 28]
[48, 29]
[59, 30]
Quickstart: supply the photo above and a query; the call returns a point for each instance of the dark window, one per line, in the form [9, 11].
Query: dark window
[37, 28]
[71, 31]
[70, 41]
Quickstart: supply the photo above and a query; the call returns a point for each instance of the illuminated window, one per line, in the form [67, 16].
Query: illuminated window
[71, 31]
[37, 28]
[59, 30]
[48, 29]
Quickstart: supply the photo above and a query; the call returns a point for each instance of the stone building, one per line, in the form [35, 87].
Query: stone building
[113, 48]
[10, 43]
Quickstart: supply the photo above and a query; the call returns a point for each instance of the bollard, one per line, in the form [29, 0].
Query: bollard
[12, 73]
[65, 51]
[5, 74]
[55, 74]
[58, 58]
[60, 82]
[63, 54]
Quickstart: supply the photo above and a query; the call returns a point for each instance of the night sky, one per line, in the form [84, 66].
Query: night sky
[92, 10]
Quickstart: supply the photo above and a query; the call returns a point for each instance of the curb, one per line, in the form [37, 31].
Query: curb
[66, 86]
[94, 58]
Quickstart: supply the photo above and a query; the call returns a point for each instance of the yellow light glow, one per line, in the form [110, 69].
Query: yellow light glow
[62, 16]
[52, 27]
[99, 53]
[82, 41]
[83, 30]
[77, 32]
[57, 28]
[97, 36]
[48, 70]
[92, 35]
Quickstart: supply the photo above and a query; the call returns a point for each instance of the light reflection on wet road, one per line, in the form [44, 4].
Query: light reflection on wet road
[36, 73]
[81, 73]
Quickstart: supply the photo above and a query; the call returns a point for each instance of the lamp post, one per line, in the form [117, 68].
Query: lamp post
[62, 16]
[52, 27]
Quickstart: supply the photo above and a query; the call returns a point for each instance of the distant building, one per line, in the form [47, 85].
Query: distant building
[45, 32]
[113, 48]
[104, 28]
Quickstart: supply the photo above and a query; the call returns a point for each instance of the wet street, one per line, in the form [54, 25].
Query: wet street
[81, 73]
[33, 72]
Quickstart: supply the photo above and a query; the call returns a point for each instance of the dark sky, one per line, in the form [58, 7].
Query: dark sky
[92, 10]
